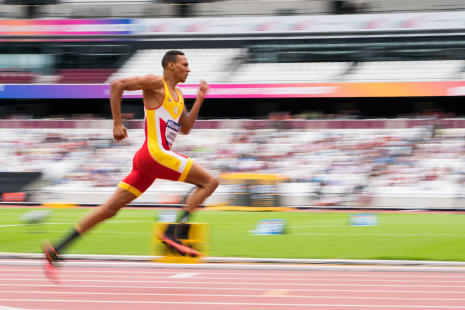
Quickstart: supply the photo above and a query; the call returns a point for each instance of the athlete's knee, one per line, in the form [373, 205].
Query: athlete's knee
[213, 184]
[107, 212]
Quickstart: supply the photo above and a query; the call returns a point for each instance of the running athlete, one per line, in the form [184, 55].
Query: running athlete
[165, 116]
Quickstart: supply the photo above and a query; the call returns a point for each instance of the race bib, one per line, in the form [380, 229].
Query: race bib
[172, 129]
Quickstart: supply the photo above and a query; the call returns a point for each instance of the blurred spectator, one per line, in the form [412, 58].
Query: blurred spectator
[361, 161]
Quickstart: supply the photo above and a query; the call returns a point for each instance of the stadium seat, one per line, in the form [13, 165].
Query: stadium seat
[433, 70]
[83, 76]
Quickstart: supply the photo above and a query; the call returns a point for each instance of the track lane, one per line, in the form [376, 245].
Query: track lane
[147, 288]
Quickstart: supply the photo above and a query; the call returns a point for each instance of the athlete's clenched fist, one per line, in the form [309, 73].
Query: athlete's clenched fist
[119, 132]
[203, 89]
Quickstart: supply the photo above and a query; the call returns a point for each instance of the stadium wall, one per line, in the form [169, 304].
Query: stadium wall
[192, 27]
[301, 200]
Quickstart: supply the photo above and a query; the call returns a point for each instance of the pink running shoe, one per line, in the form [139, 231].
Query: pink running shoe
[172, 241]
[50, 266]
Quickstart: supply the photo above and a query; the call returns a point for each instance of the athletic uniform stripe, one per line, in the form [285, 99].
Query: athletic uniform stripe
[130, 188]
[183, 176]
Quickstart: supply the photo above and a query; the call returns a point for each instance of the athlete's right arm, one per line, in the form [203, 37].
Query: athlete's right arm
[149, 81]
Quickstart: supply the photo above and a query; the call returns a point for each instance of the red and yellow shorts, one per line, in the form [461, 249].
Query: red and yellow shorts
[160, 164]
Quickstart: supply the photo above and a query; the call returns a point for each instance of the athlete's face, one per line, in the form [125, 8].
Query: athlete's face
[181, 68]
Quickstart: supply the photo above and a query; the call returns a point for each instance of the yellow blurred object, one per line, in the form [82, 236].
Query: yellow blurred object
[58, 205]
[197, 238]
[253, 191]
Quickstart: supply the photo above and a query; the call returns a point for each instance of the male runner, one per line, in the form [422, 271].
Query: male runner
[165, 115]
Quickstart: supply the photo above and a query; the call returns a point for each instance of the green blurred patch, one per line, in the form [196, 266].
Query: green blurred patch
[417, 236]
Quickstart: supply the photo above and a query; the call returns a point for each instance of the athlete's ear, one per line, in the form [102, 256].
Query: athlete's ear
[171, 65]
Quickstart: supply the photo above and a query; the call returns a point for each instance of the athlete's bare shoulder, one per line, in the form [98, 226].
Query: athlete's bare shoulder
[141, 82]
[180, 91]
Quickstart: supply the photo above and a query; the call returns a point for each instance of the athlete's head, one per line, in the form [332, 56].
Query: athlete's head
[175, 63]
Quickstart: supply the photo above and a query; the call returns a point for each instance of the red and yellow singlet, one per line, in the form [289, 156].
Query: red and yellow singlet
[155, 159]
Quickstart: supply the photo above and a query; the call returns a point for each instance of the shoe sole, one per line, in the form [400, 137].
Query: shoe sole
[179, 247]
[46, 251]
[49, 267]
[51, 273]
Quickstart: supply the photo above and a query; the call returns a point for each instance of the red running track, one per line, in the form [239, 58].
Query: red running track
[149, 287]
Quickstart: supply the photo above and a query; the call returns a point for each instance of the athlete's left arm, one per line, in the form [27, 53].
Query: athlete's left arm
[188, 120]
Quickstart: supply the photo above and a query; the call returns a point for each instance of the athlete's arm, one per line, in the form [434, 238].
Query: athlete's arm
[118, 86]
[187, 121]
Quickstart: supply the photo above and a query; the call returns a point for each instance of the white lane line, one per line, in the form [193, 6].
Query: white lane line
[241, 295]
[92, 232]
[317, 226]
[248, 283]
[244, 266]
[100, 232]
[10, 308]
[226, 303]
[14, 225]
[71, 223]
[230, 288]
[190, 275]
[313, 274]
[41, 224]
[331, 234]
[184, 275]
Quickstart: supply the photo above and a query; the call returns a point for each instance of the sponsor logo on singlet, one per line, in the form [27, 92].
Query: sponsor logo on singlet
[171, 132]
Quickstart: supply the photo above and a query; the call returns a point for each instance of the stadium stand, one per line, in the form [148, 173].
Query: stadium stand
[16, 76]
[424, 58]
[204, 64]
[147, 8]
[419, 161]
[214, 66]
[406, 71]
[289, 72]
[83, 76]
[410, 161]
[207, 64]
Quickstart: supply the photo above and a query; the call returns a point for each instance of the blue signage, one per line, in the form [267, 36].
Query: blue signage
[167, 216]
[269, 227]
[364, 219]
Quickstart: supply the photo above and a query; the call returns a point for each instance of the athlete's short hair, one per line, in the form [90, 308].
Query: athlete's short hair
[170, 56]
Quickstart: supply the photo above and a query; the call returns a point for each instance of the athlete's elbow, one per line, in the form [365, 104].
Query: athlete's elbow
[185, 131]
[116, 84]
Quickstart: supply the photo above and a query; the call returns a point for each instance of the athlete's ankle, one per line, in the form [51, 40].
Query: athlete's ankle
[73, 234]
[183, 216]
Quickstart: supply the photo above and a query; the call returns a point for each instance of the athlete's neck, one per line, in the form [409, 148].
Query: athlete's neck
[170, 81]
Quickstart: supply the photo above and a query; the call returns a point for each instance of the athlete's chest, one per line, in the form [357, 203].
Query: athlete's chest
[172, 106]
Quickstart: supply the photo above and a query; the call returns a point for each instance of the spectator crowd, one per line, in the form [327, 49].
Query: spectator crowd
[389, 161]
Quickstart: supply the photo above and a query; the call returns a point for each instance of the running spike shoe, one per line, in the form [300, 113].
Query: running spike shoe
[51, 258]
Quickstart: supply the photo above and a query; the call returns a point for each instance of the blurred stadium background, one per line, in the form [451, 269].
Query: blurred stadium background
[356, 103]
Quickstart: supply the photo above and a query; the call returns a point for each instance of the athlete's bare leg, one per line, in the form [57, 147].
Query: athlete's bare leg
[119, 199]
[206, 183]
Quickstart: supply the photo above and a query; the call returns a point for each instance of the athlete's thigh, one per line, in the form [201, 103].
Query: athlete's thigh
[120, 198]
[198, 175]
[163, 164]
[136, 182]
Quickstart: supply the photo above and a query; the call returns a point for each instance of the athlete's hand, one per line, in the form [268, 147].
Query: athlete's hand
[119, 132]
[203, 89]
